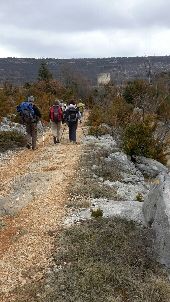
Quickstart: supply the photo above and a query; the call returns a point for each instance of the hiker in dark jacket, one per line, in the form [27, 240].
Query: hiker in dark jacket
[71, 116]
[31, 128]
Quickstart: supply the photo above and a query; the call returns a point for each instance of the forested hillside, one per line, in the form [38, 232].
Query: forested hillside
[21, 70]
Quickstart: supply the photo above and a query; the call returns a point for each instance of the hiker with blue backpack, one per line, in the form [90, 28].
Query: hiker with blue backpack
[30, 116]
[56, 117]
[71, 117]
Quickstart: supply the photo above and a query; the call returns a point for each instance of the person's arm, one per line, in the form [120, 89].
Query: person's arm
[61, 112]
[65, 116]
[37, 111]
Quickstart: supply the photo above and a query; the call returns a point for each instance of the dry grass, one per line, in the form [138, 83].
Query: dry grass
[85, 189]
[87, 186]
[102, 260]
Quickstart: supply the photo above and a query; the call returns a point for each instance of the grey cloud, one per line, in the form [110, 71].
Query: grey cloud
[74, 15]
[152, 13]
[62, 15]
[81, 28]
[96, 44]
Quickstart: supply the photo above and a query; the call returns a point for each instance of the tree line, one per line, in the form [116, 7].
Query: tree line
[45, 89]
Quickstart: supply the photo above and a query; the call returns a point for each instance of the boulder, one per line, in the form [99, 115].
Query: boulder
[156, 210]
[149, 167]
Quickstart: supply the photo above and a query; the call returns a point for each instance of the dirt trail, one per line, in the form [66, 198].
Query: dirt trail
[26, 239]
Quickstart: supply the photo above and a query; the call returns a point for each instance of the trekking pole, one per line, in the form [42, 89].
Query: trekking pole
[43, 139]
[43, 136]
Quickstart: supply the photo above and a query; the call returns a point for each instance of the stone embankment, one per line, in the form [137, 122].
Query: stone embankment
[156, 211]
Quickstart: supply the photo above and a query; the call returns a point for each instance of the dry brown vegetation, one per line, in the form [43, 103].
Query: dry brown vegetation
[140, 131]
[102, 260]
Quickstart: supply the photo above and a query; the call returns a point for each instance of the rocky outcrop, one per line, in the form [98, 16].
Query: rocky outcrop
[156, 210]
[7, 125]
[149, 167]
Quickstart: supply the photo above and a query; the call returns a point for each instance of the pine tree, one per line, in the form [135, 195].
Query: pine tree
[44, 74]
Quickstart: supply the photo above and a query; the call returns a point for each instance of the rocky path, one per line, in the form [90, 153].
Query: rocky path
[34, 189]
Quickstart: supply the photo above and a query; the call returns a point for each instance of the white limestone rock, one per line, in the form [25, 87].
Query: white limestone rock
[156, 210]
[149, 166]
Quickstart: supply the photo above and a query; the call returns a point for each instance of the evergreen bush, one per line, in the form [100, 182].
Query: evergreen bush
[11, 140]
[138, 139]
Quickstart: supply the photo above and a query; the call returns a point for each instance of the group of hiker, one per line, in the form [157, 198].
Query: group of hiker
[59, 114]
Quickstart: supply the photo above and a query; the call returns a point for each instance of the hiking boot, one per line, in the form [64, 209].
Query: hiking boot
[55, 141]
[28, 146]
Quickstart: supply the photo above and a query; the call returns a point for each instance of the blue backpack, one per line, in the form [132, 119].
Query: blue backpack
[27, 113]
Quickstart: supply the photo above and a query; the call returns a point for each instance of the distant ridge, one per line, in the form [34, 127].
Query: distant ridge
[21, 70]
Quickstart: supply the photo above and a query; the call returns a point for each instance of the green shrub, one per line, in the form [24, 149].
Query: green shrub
[115, 113]
[139, 197]
[11, 140]
[136, 91]
[138, 139]
[96, 213]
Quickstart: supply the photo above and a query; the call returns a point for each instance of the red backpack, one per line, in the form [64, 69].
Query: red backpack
[56, 114]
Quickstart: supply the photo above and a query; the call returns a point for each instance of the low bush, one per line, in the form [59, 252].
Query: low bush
[96, 213]
[139, 197]
[115, 114]
[11, 140]
[138, 139]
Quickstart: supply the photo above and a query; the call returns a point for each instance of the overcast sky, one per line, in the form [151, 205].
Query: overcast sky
[84, 28]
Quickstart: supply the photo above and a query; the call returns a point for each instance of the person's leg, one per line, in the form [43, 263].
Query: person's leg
[34, 135]
[29, 136]
[54, 131]
[70, 132]
[73, 129]
[58, 131]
